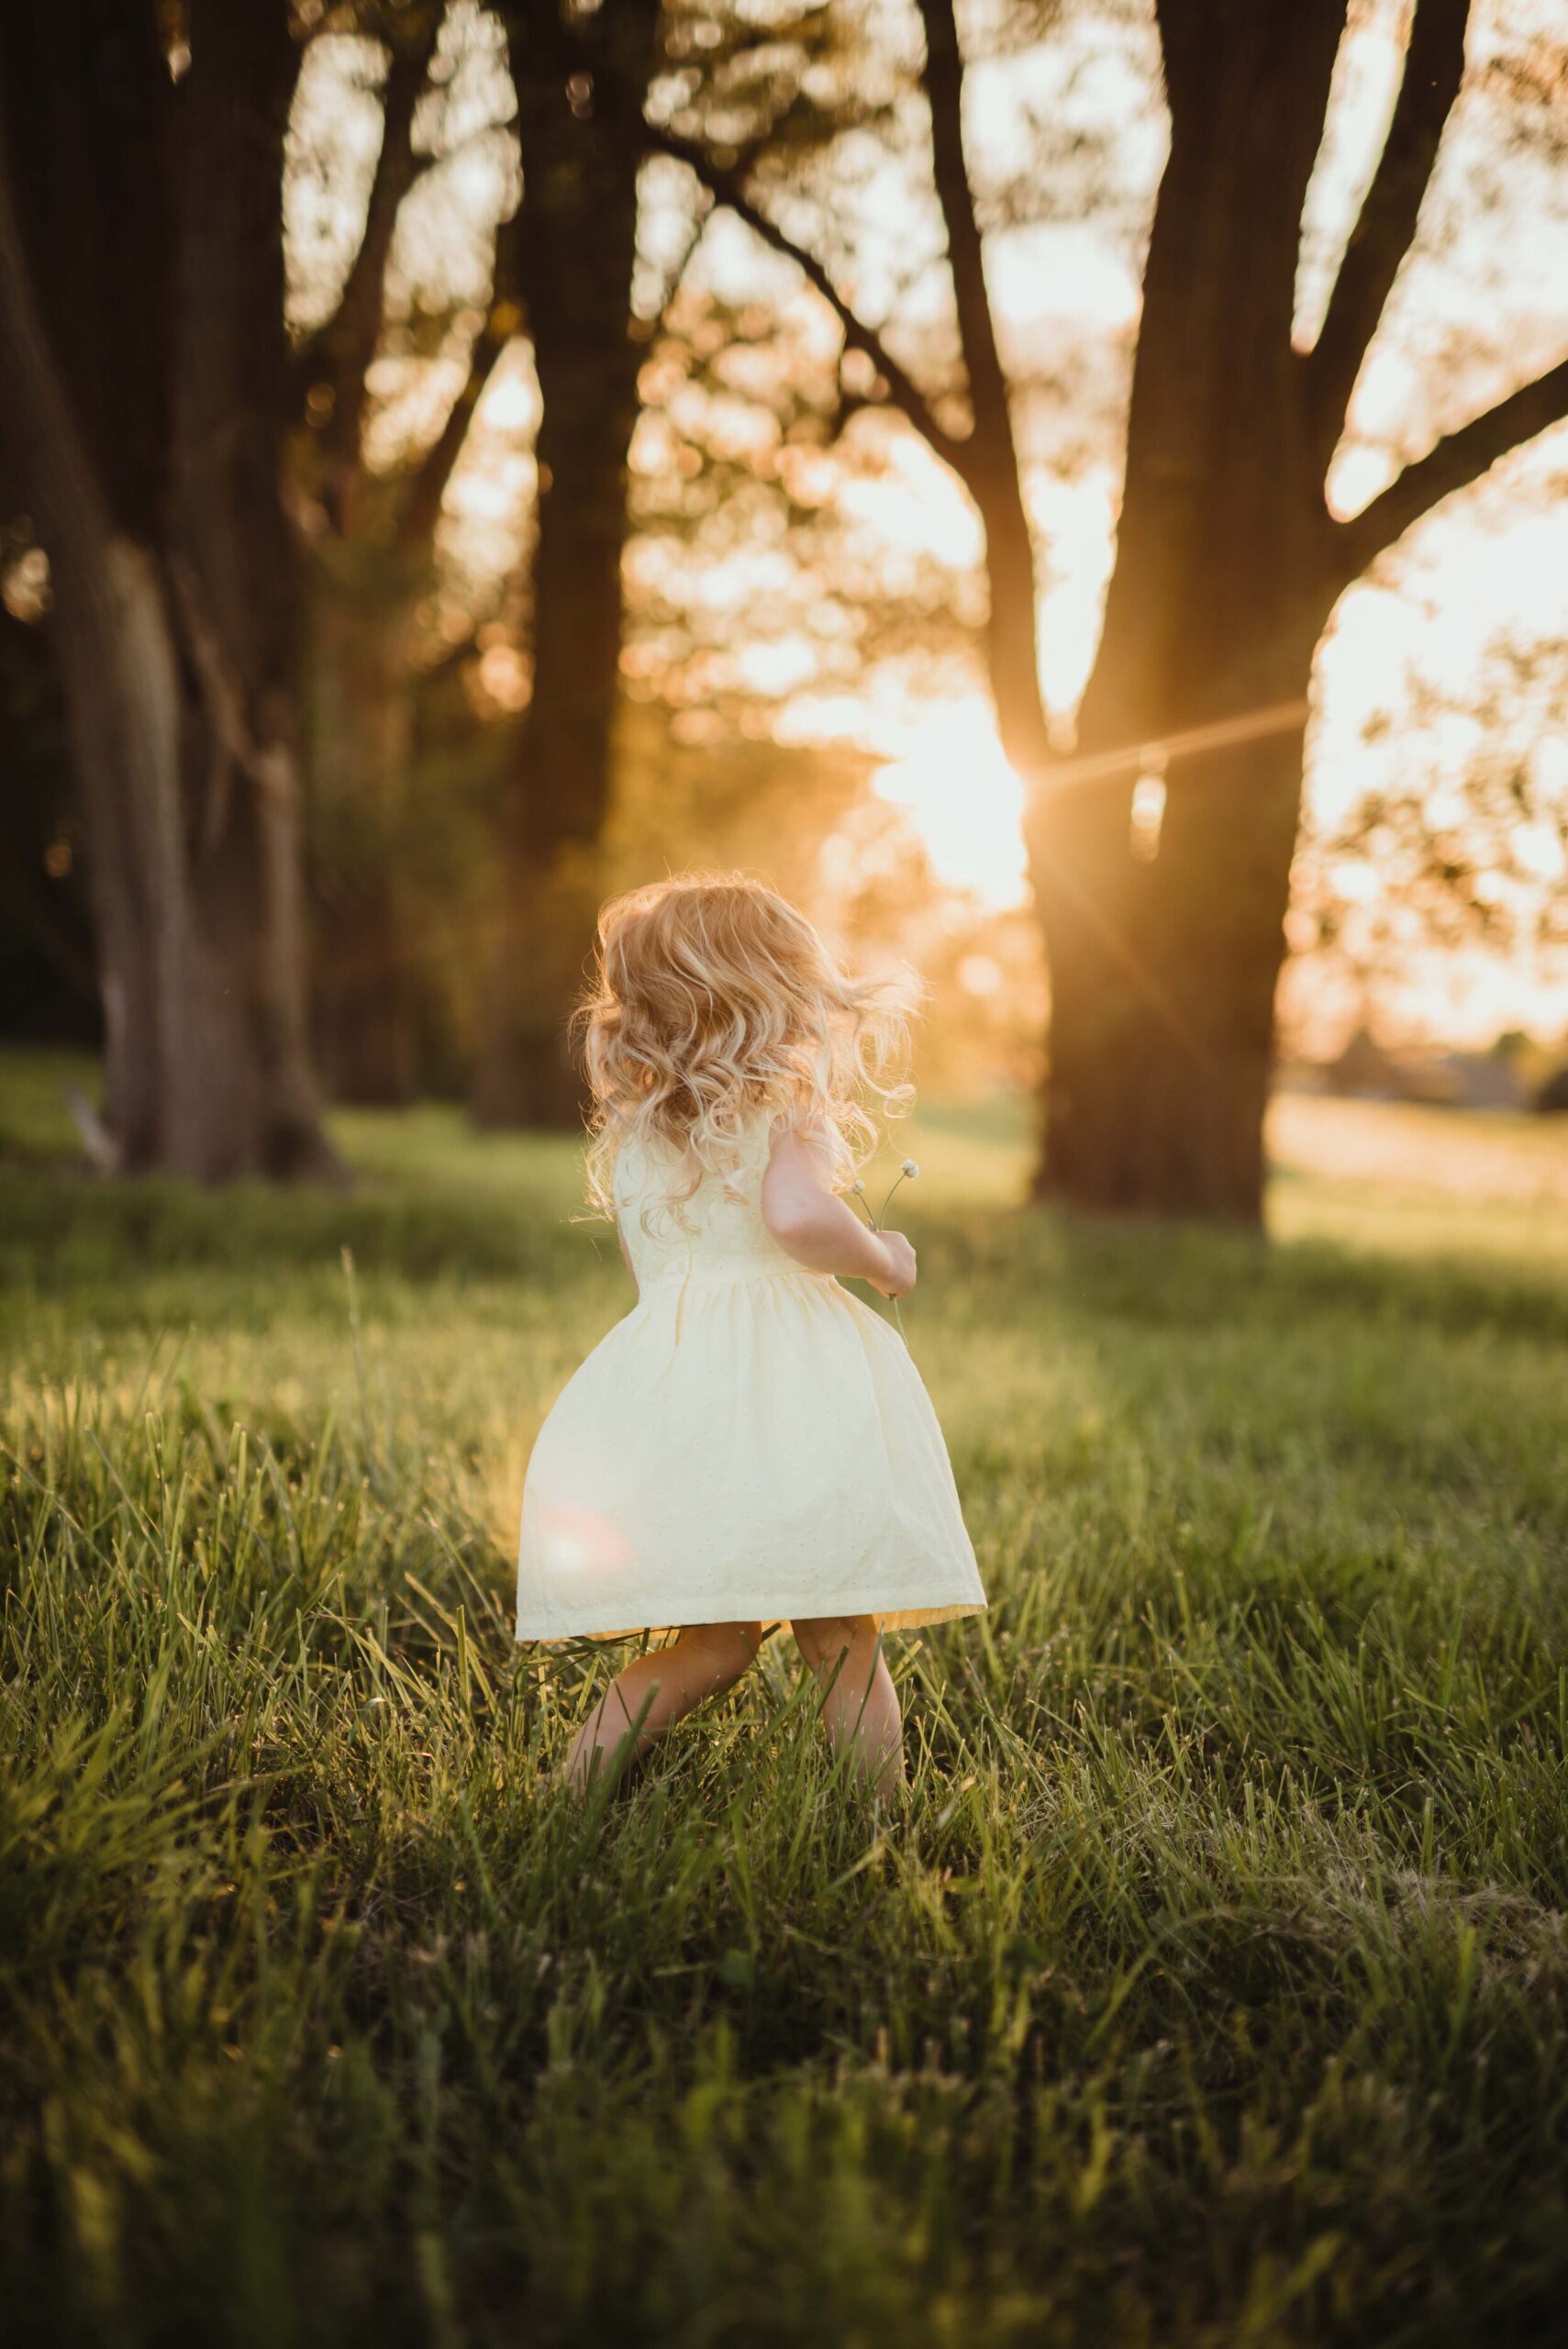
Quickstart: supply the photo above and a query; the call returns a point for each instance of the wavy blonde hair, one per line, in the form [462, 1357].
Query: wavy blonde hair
[712, 997]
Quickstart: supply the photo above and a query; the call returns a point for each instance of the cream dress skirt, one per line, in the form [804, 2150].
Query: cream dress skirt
[752, 1442]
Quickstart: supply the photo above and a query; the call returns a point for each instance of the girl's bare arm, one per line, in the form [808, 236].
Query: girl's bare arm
[820, 1230]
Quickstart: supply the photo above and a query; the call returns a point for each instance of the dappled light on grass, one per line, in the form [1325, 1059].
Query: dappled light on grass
[1417, 1183]
[1501, 1159]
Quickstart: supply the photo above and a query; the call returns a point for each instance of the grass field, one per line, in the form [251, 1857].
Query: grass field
[1214, 1990]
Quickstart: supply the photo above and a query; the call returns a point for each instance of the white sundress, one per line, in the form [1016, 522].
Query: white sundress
[752, 1442]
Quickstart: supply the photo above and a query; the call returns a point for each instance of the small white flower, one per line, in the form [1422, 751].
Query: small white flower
[909, 1170]
[857, 1188]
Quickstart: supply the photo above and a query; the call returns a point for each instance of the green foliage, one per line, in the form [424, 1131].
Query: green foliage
[1213, 1988]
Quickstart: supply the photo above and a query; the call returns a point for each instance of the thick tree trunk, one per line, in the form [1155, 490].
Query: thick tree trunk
[122, 702]
[161, 515]
[239, 595]
[1162, 971]
[559, 792]
[581, 122]
[1163, 987]
[119, 672]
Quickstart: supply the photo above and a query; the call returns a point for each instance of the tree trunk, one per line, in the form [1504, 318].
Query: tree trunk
[239, 597]
[118, 668]
[122, 705]
[362, 844]
[365, 1019]
[581, 98]
[559, 792]
[167, 540]
[1163, 968]
[1163, 972]
[1163, 987]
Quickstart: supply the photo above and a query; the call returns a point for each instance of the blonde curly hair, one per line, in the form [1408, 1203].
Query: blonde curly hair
[712, 997]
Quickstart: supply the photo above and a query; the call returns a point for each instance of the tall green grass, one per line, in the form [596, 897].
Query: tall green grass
[1213, 1990]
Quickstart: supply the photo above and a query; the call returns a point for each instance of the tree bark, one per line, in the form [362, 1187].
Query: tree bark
[1163, 987]
[173, 580]
[365, 1017]
[362, 724]
[121, 693]
[240, 593]
[581, 99]
[1163, 972]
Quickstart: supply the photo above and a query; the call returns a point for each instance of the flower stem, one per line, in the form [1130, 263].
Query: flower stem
[875, 1223]
[892, 1187]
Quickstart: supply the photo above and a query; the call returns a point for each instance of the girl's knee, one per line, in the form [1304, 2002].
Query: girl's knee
[824, 1637]
[732, 1647]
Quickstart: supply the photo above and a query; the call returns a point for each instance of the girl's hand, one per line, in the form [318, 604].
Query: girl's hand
[820, 1230]
[900, 1277]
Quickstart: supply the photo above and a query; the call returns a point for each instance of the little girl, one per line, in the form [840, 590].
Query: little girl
[752, 1442]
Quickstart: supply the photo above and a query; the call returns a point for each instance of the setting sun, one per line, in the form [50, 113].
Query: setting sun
[964, 800]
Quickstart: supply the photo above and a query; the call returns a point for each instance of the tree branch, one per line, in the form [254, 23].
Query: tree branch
[1434, 68]
[990, 473]
[344, 348]
[942, 79]
[427, 480]
[1456, 461]
[677, 276]
[726, 188]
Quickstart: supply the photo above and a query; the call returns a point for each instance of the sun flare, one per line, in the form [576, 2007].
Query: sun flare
[965, 800]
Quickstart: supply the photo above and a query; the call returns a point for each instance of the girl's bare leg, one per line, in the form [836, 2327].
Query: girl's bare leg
[655, 1690]
[859, 1705]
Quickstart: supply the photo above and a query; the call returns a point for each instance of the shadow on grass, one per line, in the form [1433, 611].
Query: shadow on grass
[63, 1231]
[63, 1234]
[1165, 1275]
